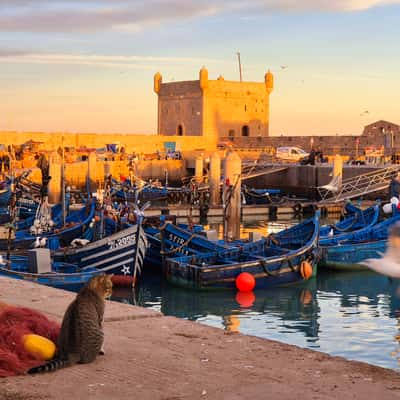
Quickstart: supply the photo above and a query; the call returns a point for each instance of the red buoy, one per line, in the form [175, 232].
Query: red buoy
[245, 282]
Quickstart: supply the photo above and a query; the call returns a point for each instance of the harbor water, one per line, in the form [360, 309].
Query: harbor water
[355, 315]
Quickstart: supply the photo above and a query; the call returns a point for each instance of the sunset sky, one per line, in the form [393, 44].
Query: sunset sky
[88, 65]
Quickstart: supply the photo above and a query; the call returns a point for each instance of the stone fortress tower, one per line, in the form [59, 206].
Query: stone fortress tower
[213, 108]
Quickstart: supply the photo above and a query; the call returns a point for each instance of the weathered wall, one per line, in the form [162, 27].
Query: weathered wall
[76, 173]
[139, 143]
[180, 104]
[230, 106]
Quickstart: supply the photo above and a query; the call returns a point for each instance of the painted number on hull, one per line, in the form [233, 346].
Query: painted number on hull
[123, 241]
[179, 241]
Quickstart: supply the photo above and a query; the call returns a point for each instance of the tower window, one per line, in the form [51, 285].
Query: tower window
[245, 107]
[245, 130]
[231, 133]
[179, 130]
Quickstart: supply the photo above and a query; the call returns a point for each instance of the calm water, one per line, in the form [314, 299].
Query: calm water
[354, 315]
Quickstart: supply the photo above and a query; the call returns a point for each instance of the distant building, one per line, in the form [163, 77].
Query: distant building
[382, 133]
[214, 108]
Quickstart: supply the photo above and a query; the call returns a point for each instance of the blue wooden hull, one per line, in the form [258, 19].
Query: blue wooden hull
[5, 195]
[118, 254]
[363, 244]
[272, 262]
[63, 276]
[348, 257]
[343, 230]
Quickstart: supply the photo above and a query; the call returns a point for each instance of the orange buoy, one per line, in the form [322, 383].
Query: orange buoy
[306, 270]
[39, 345]
[245, 299]
[245, 282]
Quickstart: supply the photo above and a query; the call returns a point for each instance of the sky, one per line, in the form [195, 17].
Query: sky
[88, 65]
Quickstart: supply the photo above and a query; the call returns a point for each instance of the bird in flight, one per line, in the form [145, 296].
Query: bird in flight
[366, 112]
[284, 66]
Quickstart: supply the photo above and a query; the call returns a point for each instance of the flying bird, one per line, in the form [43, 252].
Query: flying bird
[366, 112]
[284, 66]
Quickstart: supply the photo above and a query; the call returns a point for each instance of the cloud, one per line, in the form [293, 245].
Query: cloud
[101, 15]
[105, 61]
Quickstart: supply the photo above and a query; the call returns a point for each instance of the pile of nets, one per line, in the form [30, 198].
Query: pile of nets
[15, 322]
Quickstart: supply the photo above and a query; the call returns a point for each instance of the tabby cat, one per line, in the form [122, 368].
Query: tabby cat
[81, 335]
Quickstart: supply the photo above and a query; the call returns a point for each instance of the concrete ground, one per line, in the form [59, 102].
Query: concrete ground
[150, 356]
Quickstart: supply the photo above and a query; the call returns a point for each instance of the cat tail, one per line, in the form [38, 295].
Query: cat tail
[50, 366]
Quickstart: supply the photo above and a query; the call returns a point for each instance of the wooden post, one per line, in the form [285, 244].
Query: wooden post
[232, 197]
[56, 176]
[215, 179]
[91, 175]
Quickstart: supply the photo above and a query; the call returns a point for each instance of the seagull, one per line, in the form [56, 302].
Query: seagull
[43, 242]
[37, 242]
[79, 242]
[366, 112]
[284, 66]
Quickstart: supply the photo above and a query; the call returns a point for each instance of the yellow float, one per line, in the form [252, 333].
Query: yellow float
[39, 345]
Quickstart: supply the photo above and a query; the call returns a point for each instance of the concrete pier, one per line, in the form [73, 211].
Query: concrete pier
[151, 356]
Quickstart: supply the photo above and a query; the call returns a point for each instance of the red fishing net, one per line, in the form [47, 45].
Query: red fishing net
[15, 322]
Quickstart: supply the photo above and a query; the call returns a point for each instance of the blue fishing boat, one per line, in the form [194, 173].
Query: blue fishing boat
[348, 228]
[261, 196]
[62, 275]
[77, 225]
[170, 240]
[273, 261]
[121, 253]
[355, 219]
[348, 256]
[360, 245]
[5, 194]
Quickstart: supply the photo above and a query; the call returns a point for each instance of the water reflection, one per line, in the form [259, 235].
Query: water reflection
[355, 315]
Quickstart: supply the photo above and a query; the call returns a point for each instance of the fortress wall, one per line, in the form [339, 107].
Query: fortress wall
[140, 143]
[232, 105]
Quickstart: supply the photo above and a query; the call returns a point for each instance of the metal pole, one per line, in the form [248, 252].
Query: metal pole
[240, 67]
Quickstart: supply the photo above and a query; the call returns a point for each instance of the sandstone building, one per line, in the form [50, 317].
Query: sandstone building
[214, 109]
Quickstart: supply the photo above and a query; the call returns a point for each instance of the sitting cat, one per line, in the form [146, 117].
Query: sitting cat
[81, 335]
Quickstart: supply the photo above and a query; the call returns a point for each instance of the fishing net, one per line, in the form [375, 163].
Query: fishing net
[15, 322]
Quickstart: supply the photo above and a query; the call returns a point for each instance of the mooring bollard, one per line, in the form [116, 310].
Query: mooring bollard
[198, 169]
